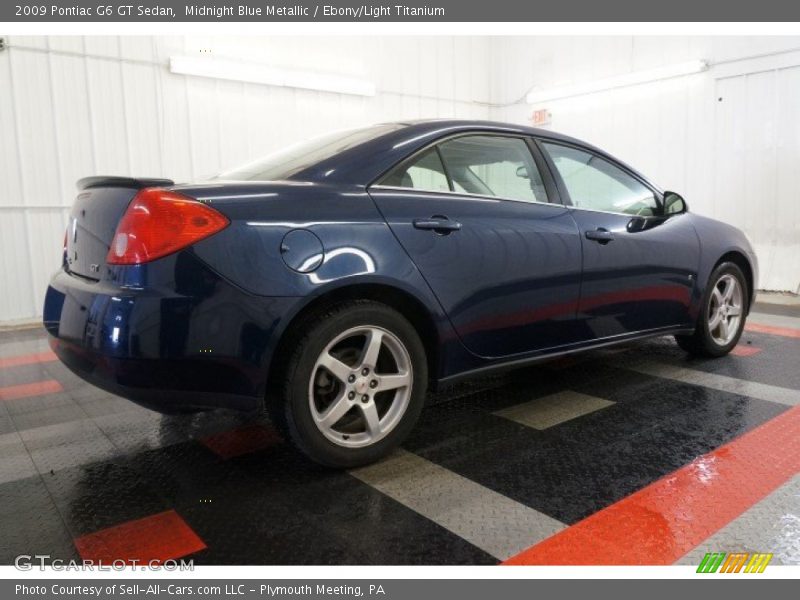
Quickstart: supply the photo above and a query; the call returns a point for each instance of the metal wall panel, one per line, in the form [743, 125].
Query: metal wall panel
[101, 45]
[106, 105]
[107, 108]
[73, 143]
[204, 110]
[787, 193]
[10, 173]
[46, 239]
[733, 159]
[17, 298]
[142, 117]
[757, 145]
[174, 140]
[32, 97]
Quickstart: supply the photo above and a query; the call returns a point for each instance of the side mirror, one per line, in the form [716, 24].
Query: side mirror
[674, 204]
[522, 171]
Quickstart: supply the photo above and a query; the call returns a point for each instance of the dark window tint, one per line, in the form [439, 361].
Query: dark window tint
[596, 184]
[298, 157]
[423, 172]
[493, 166]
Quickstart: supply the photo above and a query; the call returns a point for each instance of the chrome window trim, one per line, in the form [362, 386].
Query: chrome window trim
[621, 214]
[525, 137]
[658, 195]
[394, 188]
[476, 132]
[464, 194]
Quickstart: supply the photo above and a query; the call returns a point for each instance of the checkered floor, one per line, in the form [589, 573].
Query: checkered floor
[574, 461]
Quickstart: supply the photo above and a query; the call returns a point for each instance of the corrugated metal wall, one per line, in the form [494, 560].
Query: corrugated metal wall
[77, 106]
[728, 139]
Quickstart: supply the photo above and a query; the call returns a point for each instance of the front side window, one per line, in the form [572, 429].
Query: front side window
[596, 184]
[493, 166]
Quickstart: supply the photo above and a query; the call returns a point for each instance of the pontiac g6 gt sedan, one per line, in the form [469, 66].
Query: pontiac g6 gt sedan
[338, 279]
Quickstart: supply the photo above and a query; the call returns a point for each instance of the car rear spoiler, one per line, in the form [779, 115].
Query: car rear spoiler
[123, 182]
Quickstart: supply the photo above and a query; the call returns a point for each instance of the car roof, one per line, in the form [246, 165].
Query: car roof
[421, 125]
[364, 163]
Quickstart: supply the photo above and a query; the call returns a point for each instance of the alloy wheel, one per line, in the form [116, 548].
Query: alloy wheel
[360, 386]
[725, 310]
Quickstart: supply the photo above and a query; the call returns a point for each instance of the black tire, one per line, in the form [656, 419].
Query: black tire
[701, 342]
[289, 404]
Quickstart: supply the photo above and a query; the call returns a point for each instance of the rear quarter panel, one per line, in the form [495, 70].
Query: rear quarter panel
[358, 248]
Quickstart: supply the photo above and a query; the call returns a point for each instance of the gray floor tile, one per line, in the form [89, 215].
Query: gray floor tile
[772, 526]
[553, 409]
[15, 463]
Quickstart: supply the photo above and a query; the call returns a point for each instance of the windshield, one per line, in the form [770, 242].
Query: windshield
[298, 157]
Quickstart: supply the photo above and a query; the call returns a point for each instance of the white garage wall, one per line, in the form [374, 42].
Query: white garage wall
[77, 106]
[728, 139]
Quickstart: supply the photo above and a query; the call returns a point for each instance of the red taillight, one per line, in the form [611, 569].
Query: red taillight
[159, 222]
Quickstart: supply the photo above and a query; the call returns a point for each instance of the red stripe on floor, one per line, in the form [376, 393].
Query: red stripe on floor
[27, 359]
[153, 539]
[663, 521]
[242, 440]
[24, 390]
[745, 350]
[772, 330]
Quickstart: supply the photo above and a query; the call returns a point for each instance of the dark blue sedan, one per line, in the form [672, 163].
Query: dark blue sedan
[338, 279]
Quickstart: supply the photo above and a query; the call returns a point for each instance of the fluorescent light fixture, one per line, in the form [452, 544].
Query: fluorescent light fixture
[235, 70]
[537, 96]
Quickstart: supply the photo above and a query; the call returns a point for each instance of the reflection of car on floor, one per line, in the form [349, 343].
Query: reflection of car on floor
[338, 278]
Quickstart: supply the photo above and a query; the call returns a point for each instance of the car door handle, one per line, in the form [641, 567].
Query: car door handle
[600, 235]
[437, 224]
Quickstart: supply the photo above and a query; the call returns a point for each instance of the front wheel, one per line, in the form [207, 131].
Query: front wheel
[722, 318]
[354, 384]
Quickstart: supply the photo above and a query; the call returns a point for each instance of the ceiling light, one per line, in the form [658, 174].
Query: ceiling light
[536, 96]
[249, 72]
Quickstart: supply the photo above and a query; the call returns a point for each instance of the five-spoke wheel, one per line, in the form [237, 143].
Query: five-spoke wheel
[725, 309]
[722, 317]
[360, 386]
[354, 380]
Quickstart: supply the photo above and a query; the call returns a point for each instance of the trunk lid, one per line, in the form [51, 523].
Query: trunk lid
[93, 220]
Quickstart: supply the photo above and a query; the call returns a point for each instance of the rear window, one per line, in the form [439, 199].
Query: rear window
[298, 157]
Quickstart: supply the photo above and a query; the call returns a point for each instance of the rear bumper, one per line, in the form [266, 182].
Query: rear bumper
[164, 349]
[163, 386]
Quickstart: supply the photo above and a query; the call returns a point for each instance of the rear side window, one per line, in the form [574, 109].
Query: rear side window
[423, 172]
[289, 161]
[596, 184]
[476, 164]
[493, 166]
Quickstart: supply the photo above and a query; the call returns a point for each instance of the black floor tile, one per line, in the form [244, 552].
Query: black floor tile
[273, 506]
[100, 495]
[578, 467]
